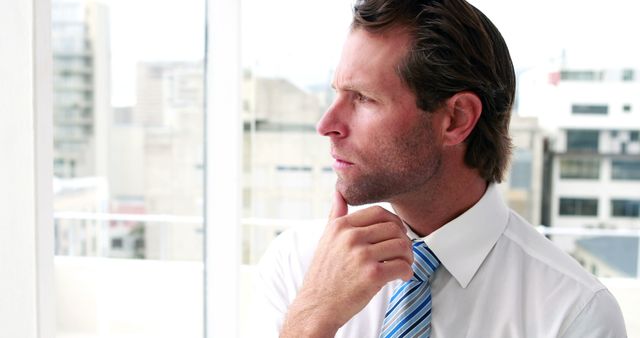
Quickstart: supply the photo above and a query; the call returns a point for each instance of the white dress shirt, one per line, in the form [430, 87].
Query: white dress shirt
[498, 278]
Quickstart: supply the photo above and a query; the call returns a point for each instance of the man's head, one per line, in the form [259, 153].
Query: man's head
[423, 91]
[454, 48]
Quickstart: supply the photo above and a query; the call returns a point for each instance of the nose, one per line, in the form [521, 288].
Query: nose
[332, 123]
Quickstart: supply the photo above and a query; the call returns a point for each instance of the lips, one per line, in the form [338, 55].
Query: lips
[340, 163]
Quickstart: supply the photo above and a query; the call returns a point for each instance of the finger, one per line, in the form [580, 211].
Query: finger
[395, 269]
[392, 249]
[380, 232]
[372, 215]
[339, 207]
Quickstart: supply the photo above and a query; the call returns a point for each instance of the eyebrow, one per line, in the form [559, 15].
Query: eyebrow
[355, 87]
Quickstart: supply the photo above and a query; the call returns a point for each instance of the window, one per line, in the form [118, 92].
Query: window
[634, 135]
[626, 108]
[292, 168]
[129, 140]
[590, 109]
[625, 208]
[625, 169]
[628, 75]
[116, 243]
[581, 168]
[577, 75]
[583, 140]
[578, 207]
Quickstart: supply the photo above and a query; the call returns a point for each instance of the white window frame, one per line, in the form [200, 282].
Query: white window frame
[223, 142]
[26, 145]
[26, 225]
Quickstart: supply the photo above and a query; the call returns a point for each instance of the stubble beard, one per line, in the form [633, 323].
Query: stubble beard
[411, 163]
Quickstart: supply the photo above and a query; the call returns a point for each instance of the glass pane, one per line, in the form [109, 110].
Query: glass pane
[583, 140]
[625, 170]
[128, 167]
[579, 206]
[579, 168]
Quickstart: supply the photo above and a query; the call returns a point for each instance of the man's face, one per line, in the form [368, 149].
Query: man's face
[384, 146]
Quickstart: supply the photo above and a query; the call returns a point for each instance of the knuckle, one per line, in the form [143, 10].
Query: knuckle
[398, 229]
[391, 227]
[405, 246]
[409, 245]
[407, 271]
[374, 271]
[362, 254]
[380, 211]
[351, 238]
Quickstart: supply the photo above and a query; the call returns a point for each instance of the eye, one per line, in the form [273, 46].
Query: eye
[362, 98]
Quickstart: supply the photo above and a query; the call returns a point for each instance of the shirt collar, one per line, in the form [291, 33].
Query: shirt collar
[463, 244]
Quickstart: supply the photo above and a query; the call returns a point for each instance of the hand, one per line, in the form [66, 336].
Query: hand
[356, 256]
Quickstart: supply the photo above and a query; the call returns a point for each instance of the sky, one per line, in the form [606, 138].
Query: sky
[301, 39]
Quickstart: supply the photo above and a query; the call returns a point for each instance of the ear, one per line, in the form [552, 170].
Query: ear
[462, 113]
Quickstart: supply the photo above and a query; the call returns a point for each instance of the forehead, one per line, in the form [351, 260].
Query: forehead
[370, 59]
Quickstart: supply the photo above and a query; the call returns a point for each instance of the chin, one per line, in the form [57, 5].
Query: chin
[356, 195]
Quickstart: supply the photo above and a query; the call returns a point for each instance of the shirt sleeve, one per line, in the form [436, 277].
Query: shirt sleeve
[600, 318]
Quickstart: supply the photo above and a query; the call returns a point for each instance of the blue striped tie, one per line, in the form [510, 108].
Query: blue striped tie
[409, 310]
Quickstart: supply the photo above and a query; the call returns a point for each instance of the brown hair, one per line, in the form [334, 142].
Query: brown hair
[455, 48]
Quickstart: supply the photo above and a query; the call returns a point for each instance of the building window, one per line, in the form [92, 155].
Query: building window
[626, 108]
[578, 207]
[583, 140]
[634, 135]
[625, 208]
[580, 75]
[625, 169]
[116, 243]
[627, 75]
[596, 109]
[293, 168]
[581, 168]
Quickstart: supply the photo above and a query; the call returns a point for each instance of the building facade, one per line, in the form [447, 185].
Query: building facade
[593, 152]
[81, 68]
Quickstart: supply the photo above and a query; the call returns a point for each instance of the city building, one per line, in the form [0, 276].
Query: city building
[163, 138]
[593, 157]
[288, 179]
[81, 115]
[81, 69]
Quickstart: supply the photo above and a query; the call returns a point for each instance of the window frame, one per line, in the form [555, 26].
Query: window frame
[577, 204]
[222, 232]
[223, 198]
[28, 308]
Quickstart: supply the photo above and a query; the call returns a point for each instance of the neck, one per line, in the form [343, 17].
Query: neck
[428, 209]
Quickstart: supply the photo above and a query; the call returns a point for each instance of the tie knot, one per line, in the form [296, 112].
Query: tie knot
[425, 261]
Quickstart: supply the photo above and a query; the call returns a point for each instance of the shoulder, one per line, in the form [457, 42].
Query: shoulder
[543, 253]
[577, 296]
[601, 317]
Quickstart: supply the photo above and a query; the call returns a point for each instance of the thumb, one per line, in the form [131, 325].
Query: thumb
[339, 207]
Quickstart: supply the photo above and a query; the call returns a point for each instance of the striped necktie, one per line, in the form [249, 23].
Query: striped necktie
[409, 310]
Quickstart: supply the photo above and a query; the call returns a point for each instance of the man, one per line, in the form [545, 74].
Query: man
[423, 97]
